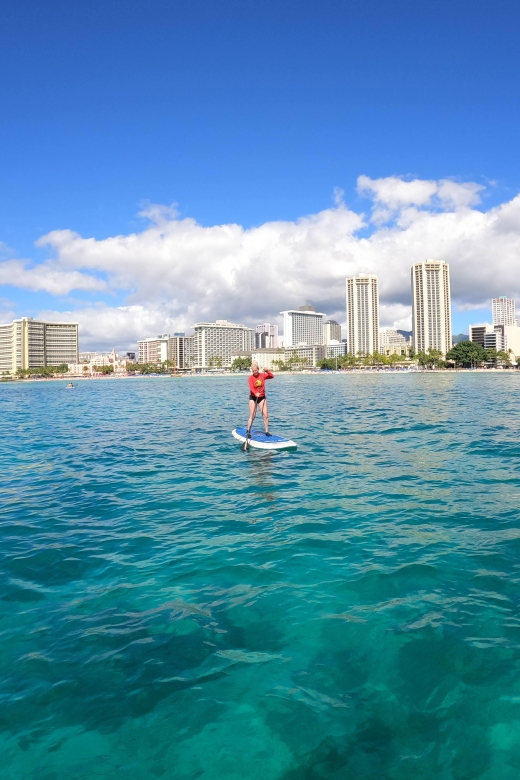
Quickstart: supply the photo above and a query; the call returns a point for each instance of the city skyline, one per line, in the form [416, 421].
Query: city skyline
[145, 191]
[129, 322]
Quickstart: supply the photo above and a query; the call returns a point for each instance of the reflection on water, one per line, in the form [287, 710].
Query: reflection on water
[172, 607]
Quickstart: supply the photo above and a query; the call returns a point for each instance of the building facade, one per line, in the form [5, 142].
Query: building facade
[431, 306]
[214, 343]
[391, 342]
[362, 314]
[266, 336]
[154, 349]
[503, 311]
[270, 358]
[331, 331]
[336, 349]
[181, 351]
[303, 326]
[27, 343]
[479, 334]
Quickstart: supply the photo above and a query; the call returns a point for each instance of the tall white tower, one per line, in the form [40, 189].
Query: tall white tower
[431, 306]
[503, 311]
[302, 326]
[362, 314]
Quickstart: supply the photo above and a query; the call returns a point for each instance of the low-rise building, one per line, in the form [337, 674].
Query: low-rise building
[391, 342]
[268, 358]
[477, 333]
[309, 356]
[512, 340]
[305, 357]
[92, 363]
[336, 349]
[504, 337]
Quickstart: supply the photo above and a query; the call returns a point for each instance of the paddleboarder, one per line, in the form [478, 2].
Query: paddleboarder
[257, 397]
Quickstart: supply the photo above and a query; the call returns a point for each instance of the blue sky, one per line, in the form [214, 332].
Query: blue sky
[242, 112]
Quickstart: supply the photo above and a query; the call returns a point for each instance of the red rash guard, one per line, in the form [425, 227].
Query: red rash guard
[257, 383]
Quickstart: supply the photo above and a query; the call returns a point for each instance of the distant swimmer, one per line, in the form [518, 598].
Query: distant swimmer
[257, 397]
[70, 386]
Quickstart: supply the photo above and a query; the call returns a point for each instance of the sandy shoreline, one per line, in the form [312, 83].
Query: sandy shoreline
[357, 371]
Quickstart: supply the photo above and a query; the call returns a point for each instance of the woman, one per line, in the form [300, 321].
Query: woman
[257, 382]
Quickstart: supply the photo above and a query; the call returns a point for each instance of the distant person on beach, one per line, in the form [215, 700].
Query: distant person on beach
[257, 397]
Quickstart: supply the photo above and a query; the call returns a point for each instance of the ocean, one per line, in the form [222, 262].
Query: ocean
[172, 607]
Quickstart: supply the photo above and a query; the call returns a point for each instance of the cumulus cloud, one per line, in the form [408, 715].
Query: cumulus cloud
[103, 326]
[175, 272]
[47, 277]
[394, 194]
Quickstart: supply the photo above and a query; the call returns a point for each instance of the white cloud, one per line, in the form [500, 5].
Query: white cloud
[175, 272]
[103, 326]
[393, 194]
[47, 277]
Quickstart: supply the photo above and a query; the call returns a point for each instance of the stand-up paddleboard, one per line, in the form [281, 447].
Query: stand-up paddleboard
[263, 442]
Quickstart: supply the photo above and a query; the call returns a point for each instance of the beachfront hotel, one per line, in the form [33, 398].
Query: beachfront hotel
[503, 311]
[28, 343]
[177, 349]
[215, 343]
[302, 327]
[362, 314]
[266, 336]
[431, 306]
[331, 331]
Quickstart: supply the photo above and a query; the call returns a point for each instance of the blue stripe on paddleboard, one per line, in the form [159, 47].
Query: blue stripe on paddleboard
[261, 437]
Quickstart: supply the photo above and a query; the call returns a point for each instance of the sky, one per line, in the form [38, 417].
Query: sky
[165, 163]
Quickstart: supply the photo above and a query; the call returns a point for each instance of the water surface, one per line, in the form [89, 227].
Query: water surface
[174, 608]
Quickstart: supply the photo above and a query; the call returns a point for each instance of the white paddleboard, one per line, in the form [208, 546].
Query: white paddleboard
[262, 442]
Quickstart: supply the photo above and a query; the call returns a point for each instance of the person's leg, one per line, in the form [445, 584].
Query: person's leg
[252, 405]
[265, 414]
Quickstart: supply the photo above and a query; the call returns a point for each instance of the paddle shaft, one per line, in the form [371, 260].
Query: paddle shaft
[248, 434]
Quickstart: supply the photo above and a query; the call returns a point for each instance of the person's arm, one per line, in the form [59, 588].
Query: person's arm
[268, 374]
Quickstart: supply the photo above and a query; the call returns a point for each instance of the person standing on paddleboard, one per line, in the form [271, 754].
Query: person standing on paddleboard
[257, 382]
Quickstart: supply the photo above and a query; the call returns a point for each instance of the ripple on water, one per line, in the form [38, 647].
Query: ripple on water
[173, 607]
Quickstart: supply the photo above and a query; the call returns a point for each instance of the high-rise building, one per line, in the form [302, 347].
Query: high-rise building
[505, 337]
[479, 333]
[28, 343]
[266, 336]
[362, 314]
[154, 349]
[181, 350]
[302, 327]
[216, 342]
[331, 331]
[503, 311]
[177, 349]
[431, 306]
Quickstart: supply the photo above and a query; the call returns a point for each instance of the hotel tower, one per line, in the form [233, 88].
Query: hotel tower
[503, 311]
[362, 314]
[431, 306]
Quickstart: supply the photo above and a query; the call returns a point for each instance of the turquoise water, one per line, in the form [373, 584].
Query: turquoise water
[172, 607]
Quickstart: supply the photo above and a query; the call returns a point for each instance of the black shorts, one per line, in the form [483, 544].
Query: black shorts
[253, 397]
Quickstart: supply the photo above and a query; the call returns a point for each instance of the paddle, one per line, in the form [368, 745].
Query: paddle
[248, 434]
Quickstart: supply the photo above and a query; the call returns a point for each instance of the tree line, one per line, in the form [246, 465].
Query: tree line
[43, 371]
